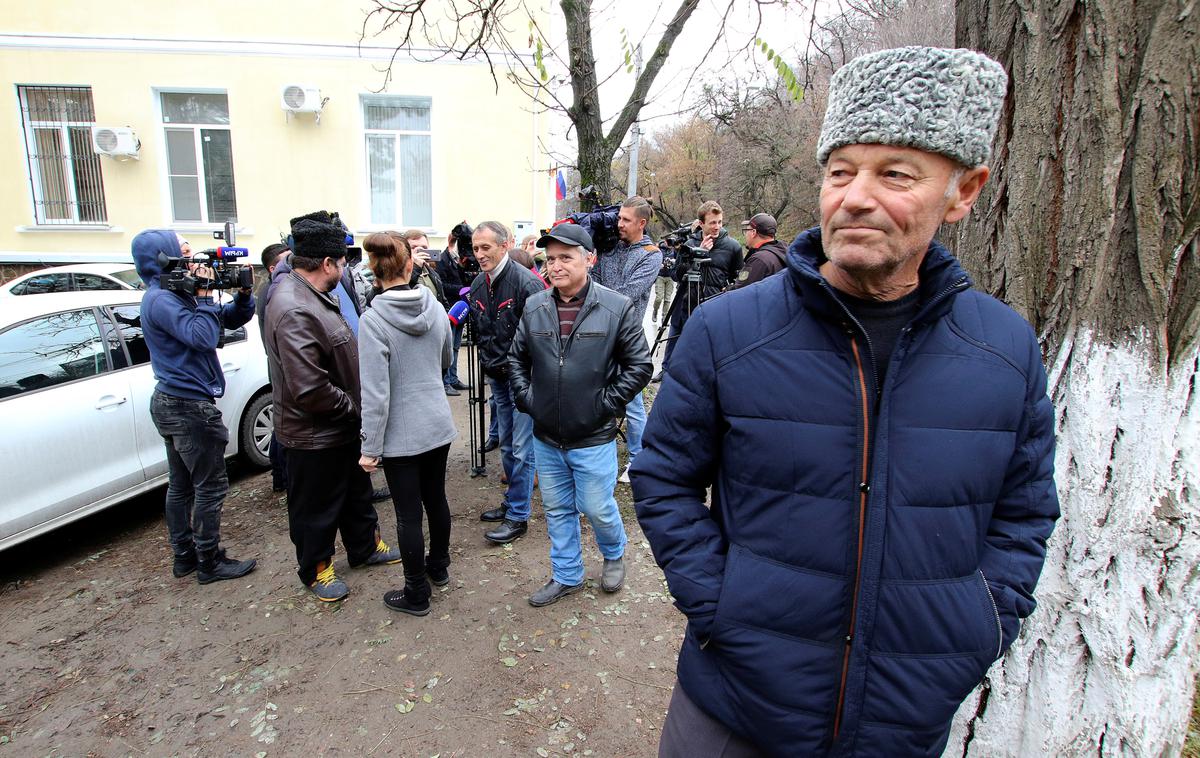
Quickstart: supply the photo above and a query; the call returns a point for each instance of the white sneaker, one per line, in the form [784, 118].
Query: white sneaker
[624, 477]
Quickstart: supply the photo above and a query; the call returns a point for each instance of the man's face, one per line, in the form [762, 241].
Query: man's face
[420, 250]
[751, 235]
[331, 270]
[566, 267]
[712, 224]
[881, 206]
[489, 251]
[630, 226]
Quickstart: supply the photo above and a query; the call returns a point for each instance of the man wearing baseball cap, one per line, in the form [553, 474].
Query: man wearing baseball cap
[765, 255]
[878, 444]
[578, 357]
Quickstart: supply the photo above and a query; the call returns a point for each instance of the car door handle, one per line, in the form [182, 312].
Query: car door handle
[229, 367]
[110, 401]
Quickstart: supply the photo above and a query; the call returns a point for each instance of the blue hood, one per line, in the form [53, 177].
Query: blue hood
[146, 247]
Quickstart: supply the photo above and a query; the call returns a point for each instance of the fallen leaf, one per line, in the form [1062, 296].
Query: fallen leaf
[509, 661]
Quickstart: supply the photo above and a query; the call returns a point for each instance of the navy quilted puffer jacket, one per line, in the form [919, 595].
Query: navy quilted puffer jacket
[867, 555]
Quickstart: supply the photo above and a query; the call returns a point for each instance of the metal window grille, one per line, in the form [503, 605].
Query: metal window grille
[64, 172]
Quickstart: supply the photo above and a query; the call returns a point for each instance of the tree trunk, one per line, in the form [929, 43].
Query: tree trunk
[1088, 227]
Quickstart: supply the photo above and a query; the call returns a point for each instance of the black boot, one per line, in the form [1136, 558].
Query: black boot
[438, 570]
[185, 563]
[413, 599]
[215, 567]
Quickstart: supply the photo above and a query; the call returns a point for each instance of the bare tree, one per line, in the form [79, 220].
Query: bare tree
[485, 28]
[1089, 228]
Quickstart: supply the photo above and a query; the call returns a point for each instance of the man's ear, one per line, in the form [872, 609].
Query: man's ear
[963, 198]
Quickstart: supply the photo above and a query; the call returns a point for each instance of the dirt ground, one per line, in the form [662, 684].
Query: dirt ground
[103, 652]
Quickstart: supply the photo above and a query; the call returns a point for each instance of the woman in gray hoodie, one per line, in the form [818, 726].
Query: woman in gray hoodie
[404, 345]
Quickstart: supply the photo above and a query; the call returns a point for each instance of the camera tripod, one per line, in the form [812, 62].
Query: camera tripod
[689, 294]
[477, 402]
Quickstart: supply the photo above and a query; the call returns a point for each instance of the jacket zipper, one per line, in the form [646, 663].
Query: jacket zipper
[863, 489]
[562, 358]
[996, 613]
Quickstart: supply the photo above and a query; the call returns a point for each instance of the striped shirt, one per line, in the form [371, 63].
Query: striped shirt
[568, 310]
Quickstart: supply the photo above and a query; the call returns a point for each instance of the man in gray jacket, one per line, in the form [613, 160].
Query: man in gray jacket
[631, 269]
[578, 357]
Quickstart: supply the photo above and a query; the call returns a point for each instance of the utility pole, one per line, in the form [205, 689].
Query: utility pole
[636, 131]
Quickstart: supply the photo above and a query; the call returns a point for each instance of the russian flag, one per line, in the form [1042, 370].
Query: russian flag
[560, 186]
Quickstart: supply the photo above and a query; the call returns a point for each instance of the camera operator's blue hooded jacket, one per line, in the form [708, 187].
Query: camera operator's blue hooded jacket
[182, 331]
[870, 550]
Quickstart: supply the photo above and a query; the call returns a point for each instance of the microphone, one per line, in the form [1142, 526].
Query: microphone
[458, 312]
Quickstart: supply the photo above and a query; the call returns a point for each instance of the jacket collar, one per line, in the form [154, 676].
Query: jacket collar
[327, 298]
[940, 278]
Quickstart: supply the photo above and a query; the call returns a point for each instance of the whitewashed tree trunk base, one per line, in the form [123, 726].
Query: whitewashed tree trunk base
[1106, 664]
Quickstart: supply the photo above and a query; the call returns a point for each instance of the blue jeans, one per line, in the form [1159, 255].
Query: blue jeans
[635, 424]
[493, 425]
[451, 376]
[516, 452]
[195, 437]
[574, 482]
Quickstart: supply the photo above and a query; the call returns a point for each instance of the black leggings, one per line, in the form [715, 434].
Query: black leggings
[415, 480]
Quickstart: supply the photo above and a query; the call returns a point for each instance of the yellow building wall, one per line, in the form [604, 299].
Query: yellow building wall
[484, 143]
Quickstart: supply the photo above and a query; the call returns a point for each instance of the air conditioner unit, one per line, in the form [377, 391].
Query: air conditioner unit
[115, 141]
[301, 98]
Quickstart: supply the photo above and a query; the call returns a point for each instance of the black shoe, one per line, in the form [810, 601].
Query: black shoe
[383, 493]
[495, 514]
[460, 386]
[658, 377]
[408, 600]
[451, 391]
[491, 444]
[439, 575]
[219, 567]
[552, 592]
[508, 531]
[185, 563]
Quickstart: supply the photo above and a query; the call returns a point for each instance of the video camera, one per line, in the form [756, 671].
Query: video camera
[679, 252]
[177, 277]
[600, 223]
[462, 243]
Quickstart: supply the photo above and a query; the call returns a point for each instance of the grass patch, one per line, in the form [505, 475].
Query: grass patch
[1191, 746]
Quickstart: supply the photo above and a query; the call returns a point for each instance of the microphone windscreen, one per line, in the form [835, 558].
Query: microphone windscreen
[458, 312]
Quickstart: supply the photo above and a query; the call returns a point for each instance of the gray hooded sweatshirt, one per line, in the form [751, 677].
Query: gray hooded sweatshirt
[403, 352]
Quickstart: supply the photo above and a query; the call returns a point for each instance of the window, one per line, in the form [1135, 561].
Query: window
[399, 171]
[199, 157]
[128, 319]
[63, 169]
[93, 282]
[130, 277]
[43, 283]
[50, 350]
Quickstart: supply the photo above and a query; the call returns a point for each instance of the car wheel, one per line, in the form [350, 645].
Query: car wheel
[255, 433]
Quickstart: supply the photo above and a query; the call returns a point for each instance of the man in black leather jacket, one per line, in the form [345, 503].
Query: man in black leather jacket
[578, 357]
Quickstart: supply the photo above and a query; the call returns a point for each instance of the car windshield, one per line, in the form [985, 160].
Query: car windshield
[130, 277]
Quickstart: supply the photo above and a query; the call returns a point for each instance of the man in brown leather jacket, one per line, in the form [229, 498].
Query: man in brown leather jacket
[313, 358]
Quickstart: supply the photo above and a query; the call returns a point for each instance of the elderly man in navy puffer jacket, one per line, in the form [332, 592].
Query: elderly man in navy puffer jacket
[878, 443]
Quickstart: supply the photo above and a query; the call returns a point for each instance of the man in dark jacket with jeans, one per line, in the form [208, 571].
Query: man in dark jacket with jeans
[873, 544]
[578, 358]
[497, 299]
[313, 357]
[182, 331]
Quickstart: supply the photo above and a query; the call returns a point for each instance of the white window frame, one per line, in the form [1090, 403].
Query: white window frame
[363, 100]
[35, 179]
[169, 201]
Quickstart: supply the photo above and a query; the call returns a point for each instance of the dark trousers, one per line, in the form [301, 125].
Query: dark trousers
[678, 318]
[416, 481]
[328, 492]
[689, 732]
[195, 437]
[279, 471]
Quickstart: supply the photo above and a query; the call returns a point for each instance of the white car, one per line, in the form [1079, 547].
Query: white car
[78, 277]
[75, 387]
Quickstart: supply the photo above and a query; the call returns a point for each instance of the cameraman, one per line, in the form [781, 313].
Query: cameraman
[457, 268]
[183, 329]
[721, 259]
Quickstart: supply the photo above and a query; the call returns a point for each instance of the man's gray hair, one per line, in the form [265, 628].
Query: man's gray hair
[955, 177]
[503, 236]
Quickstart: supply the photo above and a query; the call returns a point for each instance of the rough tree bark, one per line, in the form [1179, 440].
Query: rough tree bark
[1089, 229]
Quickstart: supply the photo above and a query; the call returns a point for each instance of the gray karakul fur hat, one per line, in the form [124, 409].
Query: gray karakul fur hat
[934, 99]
